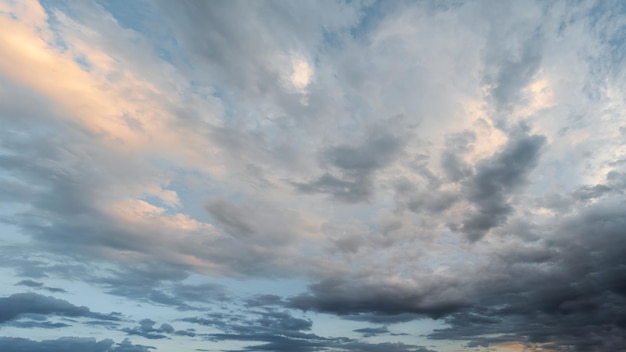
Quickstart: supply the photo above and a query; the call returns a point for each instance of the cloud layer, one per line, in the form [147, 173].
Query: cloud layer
[312, 176]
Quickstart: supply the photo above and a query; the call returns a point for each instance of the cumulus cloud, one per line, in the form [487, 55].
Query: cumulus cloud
[457, 163]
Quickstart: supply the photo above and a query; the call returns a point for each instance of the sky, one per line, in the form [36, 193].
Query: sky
[338, 176]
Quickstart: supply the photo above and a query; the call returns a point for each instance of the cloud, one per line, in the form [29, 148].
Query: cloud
[369, 332]
[20, 303]
[69, 344]
[350, 190]
[30, 283]
[459, 164]
[283, 321]
[278, 330]
[37, 324]
[495, 180]
[277, 343]
[515, 72]
[564, 299]
[146, 283]
[376, 152]
[146, 329]
[348, 297]
[264, 301]
[202, 293]
[248, 56]
[586, 193]
[377, 318]
[357, 164]
[212, 319]
[39, 285]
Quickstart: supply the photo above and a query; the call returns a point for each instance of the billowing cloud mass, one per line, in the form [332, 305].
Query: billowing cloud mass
[429, 176]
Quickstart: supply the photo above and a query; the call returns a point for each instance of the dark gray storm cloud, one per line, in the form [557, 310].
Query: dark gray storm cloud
[563, 290]
[350, 297]
[377, 318]
[69, 344]
[495, 180]
[13, 306]
[369, 332]
[567, 293]
[572, 298]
